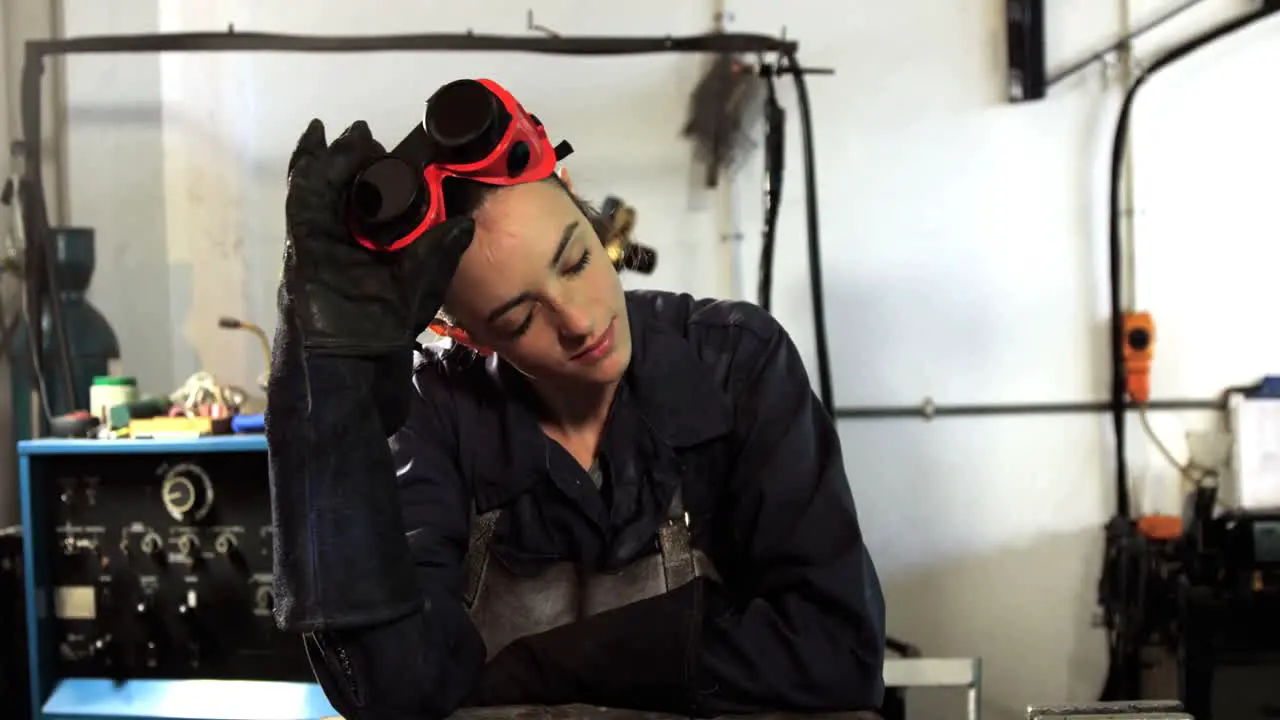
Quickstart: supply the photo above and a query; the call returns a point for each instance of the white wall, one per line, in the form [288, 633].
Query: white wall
[964, 241]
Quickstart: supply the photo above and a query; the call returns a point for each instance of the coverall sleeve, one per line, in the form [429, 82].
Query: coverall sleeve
[378, 607]
[804, 628]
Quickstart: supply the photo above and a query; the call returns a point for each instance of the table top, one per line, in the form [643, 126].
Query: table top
[134, 446]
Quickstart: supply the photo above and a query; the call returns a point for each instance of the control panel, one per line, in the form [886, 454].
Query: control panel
[159, 566]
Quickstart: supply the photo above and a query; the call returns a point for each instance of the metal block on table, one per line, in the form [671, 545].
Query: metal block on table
[905, 673]
[1133, 710]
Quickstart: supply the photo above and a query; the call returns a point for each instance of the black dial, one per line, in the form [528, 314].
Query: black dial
[187, 493]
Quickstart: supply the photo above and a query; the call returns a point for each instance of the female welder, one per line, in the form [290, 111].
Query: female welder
[626, 499]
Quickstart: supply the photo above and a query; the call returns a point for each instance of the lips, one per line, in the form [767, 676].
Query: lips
[598, 348]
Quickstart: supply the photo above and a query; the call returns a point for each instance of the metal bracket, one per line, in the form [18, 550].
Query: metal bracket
[532, 26]
[1029, 77]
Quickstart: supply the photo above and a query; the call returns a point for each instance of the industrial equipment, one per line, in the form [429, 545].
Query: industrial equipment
[1228, 601]
[148, 582]
[13, 646]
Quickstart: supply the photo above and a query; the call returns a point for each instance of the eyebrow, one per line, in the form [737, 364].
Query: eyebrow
[565, 237]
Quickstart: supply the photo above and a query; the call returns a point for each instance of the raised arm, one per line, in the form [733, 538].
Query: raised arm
[384, 642]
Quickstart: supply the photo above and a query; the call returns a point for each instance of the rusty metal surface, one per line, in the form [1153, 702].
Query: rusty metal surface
[1133, 710]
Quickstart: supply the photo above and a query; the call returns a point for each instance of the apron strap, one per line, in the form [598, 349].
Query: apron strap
[676, 544]
[478, 554]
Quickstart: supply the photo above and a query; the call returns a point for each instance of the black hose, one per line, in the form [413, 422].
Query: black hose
[1118, 147]
[811, 221]
[774, 165]
[1122, 586]
[41, 275]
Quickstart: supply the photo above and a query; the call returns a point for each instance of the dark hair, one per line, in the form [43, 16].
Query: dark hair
[465, 197]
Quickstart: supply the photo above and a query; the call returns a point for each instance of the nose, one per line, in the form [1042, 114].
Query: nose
[575, 327]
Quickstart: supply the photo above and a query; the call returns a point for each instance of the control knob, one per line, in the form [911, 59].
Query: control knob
[152, 545]
[187, 493]
[189, 546]
[264, 600]
[226, 544]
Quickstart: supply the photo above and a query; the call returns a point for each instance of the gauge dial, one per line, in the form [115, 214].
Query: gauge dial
[187, 493]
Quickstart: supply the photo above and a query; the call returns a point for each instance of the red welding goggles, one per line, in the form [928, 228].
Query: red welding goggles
[471, 129]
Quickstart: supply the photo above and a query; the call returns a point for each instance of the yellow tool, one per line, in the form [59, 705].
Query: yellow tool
[178, 427]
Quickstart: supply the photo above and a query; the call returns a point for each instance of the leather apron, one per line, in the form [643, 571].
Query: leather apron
[506, 607]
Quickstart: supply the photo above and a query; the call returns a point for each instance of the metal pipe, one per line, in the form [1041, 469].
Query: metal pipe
[929, 410]
[1123, 42]
[233, 41]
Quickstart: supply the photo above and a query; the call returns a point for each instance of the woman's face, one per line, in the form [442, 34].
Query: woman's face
[537, 288]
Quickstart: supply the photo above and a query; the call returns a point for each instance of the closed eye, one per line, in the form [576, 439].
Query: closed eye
[580, 265]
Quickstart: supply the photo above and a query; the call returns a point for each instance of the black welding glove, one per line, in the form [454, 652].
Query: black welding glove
[340, 384]
[349, 300]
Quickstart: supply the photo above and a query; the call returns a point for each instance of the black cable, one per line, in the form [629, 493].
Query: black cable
[53, 295]
[15, 195]
[774, 165]
[1118, 148]
[1123, 582]
[811, 221]
[40, 275]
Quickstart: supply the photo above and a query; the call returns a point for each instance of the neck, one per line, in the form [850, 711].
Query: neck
[579, 410]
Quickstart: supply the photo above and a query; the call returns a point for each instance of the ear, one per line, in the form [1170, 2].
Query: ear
[563, 172]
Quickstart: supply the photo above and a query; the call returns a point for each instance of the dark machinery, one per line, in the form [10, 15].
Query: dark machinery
[14, 681]
[150, 562]
[1228, 602]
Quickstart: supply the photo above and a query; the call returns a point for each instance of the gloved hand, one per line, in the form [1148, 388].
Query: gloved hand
[340, 385]
[346, 299]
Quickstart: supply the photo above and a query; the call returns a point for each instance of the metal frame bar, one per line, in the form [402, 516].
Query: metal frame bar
[927, 410]
[40, 280]
[233, 41]
[1029, 78]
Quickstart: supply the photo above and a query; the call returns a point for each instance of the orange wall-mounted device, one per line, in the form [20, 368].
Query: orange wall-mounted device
[1139, 344]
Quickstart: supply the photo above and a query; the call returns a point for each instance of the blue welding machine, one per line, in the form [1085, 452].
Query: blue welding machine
[148, 584]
